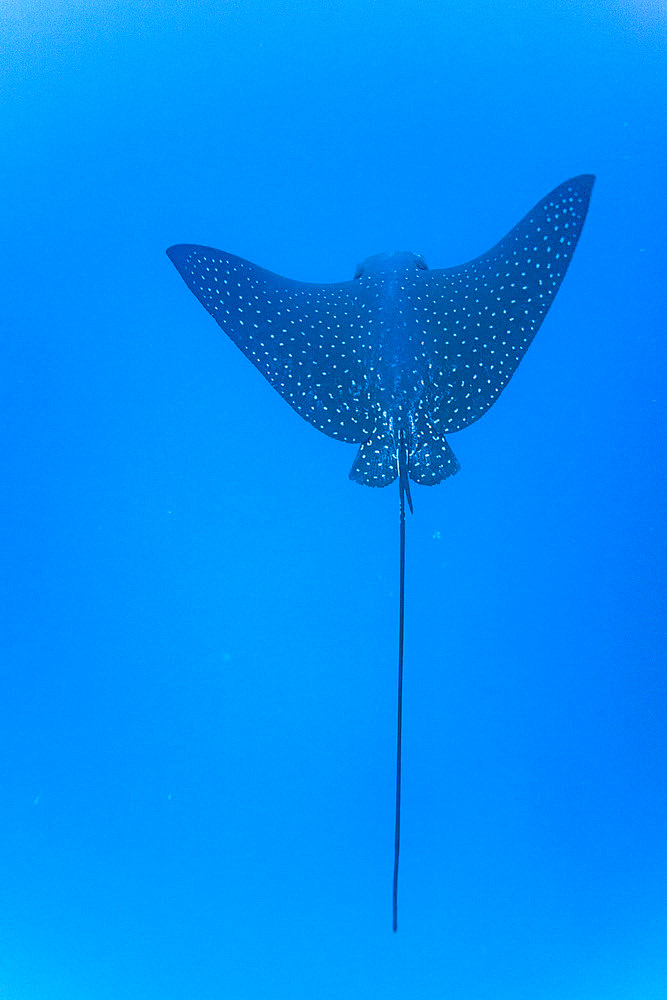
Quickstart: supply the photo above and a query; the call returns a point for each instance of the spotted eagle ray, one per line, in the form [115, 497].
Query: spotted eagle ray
[401, 355]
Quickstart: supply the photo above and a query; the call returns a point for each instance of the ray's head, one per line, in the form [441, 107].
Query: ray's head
[388, 263]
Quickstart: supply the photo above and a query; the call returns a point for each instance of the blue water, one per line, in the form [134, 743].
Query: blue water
[200, 610]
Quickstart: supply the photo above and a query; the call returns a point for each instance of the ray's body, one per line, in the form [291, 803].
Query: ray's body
[401, 355]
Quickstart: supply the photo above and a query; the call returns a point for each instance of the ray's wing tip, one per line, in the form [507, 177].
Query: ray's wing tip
[583, 182]
[178, 252]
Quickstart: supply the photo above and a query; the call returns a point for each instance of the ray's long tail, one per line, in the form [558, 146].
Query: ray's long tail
[404, 493]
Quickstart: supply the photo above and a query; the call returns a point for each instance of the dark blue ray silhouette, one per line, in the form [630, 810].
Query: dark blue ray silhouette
[400, 356]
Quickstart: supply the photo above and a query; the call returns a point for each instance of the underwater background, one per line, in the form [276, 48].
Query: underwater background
[199, 609]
